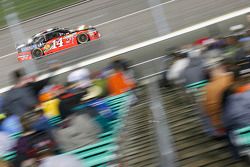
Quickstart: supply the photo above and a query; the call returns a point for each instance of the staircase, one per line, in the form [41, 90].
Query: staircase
[139, 147]
[193, 147]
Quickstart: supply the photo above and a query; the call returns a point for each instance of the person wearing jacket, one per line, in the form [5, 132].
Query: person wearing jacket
[220, 80]
[237, 111]
[175, 72]
[194, 72]
[21, 97]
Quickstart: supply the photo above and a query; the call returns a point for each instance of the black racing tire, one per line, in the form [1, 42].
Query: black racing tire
[37, 53]
[82, 38]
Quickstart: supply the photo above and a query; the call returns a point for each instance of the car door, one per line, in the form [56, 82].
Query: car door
[58, 40]
[68, 39]
[54, 42]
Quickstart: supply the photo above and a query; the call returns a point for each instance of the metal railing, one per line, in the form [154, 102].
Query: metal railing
[150, 68]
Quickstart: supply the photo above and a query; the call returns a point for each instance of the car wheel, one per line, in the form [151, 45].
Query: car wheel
[37, 53]
[82, 38]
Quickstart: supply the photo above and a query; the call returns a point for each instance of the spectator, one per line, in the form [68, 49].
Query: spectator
[124, 66]
[41, 122]
[236, 111]
[51, 108]
[235, 117]
[68, 100]
[81, 76]
[6, 143]
[175, 71]
[99, 80]
[25, 147]
[118, 82]
[11, 124]
[213, 52]
[20, 98]
[194, 72]
[49, 101]
[246, 41]
[220, 79]
[121, 63]
[234, 50]
[37, 86]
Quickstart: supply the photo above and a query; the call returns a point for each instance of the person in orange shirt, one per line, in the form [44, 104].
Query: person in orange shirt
[118, 82]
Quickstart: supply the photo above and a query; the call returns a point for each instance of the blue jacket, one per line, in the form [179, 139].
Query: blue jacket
[236, 112]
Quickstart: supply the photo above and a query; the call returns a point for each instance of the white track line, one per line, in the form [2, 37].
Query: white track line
[146, 43]
[98, 25]
[131, 14]
[2, 57]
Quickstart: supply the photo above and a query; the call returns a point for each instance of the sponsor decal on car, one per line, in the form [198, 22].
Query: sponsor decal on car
[47, 47]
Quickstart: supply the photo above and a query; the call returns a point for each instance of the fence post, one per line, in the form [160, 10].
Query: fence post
[163, 134]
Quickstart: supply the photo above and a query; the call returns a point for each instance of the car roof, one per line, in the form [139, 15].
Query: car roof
[46, 31]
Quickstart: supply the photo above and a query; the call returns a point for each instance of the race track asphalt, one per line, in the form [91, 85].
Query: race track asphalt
[121, 23]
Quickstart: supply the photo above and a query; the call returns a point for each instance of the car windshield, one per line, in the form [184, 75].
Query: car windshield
[56, 34]
[39, 39]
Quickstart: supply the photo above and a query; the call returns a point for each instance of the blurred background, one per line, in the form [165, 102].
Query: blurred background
[165, 85]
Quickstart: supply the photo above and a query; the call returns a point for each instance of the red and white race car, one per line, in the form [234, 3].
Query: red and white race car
[54, 40]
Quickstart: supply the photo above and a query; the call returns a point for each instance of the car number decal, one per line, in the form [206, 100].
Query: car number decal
[57, 43]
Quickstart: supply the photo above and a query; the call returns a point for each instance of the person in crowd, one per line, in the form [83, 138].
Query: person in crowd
[29, 139]
[98, 79]
[51, 107]
[246, 41]
[235, 110]
[180, 63]
[125, 67]
[118, 82]
[219, 80]
[42, 122]
[68, 99]
[37, 85]
[11, 124]
[236, 113]
[234, 49]
[213, 51]
[49, 101]
[194, 72]
[98, 109]
[20, 98]
[80, 76]
[6, 143]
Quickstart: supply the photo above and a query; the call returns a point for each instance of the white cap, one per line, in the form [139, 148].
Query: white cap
[80, 75]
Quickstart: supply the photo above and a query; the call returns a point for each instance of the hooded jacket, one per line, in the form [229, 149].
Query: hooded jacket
[19, 100]
[236, 113]
[194, 71]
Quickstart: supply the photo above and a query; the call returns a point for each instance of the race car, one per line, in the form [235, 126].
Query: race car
[54, 40]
